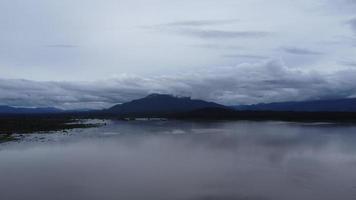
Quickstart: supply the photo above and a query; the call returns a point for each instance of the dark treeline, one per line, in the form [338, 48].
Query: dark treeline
[29, 123]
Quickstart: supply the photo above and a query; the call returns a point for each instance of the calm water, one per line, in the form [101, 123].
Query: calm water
[184, 161]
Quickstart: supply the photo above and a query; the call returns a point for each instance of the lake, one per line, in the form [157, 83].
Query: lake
[184, 160]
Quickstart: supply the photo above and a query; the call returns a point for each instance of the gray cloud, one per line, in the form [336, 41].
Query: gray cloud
[217, 46]
[352, 23]
[199, 23]
[300, 51]
[245, 56]
[222, 34]
[348, 63]
[108, 47]
[243, 84]
[61, 46]
[340, 6]
[70, 95]
[197, 29]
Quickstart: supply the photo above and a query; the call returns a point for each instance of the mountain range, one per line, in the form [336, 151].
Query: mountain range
[20, 110]
[165, 104]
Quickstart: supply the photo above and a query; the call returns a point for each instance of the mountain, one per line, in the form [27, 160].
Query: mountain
[161, 104]
[336, 105]
[20, 110]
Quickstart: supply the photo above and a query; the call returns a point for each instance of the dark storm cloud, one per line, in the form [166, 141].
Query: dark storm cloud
[300, 51]
[199, 23]
[243, 84]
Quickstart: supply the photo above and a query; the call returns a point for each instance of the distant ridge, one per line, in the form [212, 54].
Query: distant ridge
[18, 110]
[335, 105]
[161, 104]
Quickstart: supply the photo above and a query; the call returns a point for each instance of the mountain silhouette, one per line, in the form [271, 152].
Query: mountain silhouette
[20, 110]
[161, 104]
[336, 105]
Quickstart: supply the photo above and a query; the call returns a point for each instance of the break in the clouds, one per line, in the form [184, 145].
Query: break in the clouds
[267, 81]
[64, 49]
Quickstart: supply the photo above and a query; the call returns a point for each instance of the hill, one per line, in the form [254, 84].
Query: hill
[159, 104]
[20, 110]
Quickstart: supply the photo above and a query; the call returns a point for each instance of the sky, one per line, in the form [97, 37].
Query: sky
[94, 54]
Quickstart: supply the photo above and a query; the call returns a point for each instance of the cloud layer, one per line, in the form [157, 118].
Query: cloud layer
[353, 24]
[222, 34]
[93, 40]
[69, 51]
[203, 29]
[243, 84]
[198, 23]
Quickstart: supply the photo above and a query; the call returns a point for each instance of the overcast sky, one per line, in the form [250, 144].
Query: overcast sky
[91, 53]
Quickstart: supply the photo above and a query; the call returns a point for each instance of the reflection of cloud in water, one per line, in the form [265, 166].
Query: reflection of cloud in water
[186, 161]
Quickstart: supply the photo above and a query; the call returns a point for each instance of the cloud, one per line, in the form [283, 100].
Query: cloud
[71, 95]
[267, 81]
[198, 29]
[222, 34]
[348, 63]
[245, 56]
[352, 24]
[300, 51]
[62, 46]
[217, 46]
[38, 37]
[198, 23]
[341, 6]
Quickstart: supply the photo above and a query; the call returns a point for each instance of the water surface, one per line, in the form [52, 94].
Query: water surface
[175, 160]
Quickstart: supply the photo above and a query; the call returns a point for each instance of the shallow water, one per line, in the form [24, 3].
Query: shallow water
[173, 160]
